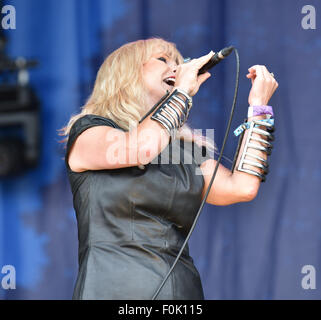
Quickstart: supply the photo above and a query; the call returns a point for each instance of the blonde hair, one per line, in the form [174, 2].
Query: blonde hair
[119, 90]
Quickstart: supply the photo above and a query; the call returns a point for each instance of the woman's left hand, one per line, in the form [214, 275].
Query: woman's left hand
[263, 85]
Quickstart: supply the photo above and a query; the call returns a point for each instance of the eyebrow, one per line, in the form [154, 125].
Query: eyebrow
[168, 57]
[163, 54]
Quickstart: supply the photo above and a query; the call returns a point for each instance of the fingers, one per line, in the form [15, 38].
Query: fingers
[203, 60]
[268, 76]
[199, 62]
[203, 77]
[187, 77]
[251, 76]
[195, 64]
[252, 73]
[263, 85]
[200, 80]
[261, 71]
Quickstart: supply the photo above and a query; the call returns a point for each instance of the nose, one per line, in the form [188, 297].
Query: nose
[174, 68]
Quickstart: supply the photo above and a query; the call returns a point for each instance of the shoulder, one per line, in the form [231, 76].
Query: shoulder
[88, 139]
[88, 121]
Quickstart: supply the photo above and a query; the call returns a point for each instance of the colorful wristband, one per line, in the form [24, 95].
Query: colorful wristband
[259, 110]
[246, 125]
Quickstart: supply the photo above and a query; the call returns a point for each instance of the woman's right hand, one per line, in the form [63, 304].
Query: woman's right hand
[187, 77]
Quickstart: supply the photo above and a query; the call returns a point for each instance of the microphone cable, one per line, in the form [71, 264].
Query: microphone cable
[213, 176]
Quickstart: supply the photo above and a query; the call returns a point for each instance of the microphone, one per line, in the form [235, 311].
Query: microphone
[218, 57]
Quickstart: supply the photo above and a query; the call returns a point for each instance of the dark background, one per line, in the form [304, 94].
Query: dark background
[250, 250]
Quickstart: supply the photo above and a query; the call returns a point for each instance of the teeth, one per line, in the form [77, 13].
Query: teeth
[170, 81]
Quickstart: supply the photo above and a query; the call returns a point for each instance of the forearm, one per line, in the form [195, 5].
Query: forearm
[244, 182]
[147, 141]
[153, 134]
[237, 185]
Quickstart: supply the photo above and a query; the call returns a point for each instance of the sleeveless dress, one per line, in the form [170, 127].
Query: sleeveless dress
[132, 223]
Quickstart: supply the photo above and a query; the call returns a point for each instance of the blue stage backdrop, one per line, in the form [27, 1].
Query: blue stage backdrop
[251, 250]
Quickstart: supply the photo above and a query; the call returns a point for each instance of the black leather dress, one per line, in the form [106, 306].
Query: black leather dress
[132, 223]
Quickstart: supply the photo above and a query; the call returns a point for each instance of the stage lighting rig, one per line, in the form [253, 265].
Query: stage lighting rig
[19, 115]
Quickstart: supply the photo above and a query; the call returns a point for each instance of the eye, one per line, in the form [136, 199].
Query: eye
[162, 59]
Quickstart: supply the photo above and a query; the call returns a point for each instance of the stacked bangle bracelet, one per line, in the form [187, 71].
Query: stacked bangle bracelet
[260, 135]
[173, 112]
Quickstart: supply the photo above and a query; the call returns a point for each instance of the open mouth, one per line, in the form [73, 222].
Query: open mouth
[170, 81]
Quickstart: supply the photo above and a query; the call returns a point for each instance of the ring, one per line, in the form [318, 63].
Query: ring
[272, 74]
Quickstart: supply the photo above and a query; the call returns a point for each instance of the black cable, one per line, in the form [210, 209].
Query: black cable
[213, 176]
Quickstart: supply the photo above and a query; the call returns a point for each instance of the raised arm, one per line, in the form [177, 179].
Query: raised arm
[103, 147]
[228, 187]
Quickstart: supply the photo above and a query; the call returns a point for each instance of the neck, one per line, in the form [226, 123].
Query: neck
[154, 104]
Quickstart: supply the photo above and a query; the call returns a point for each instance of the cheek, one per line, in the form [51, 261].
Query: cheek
[150, 78]
[148, 83]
